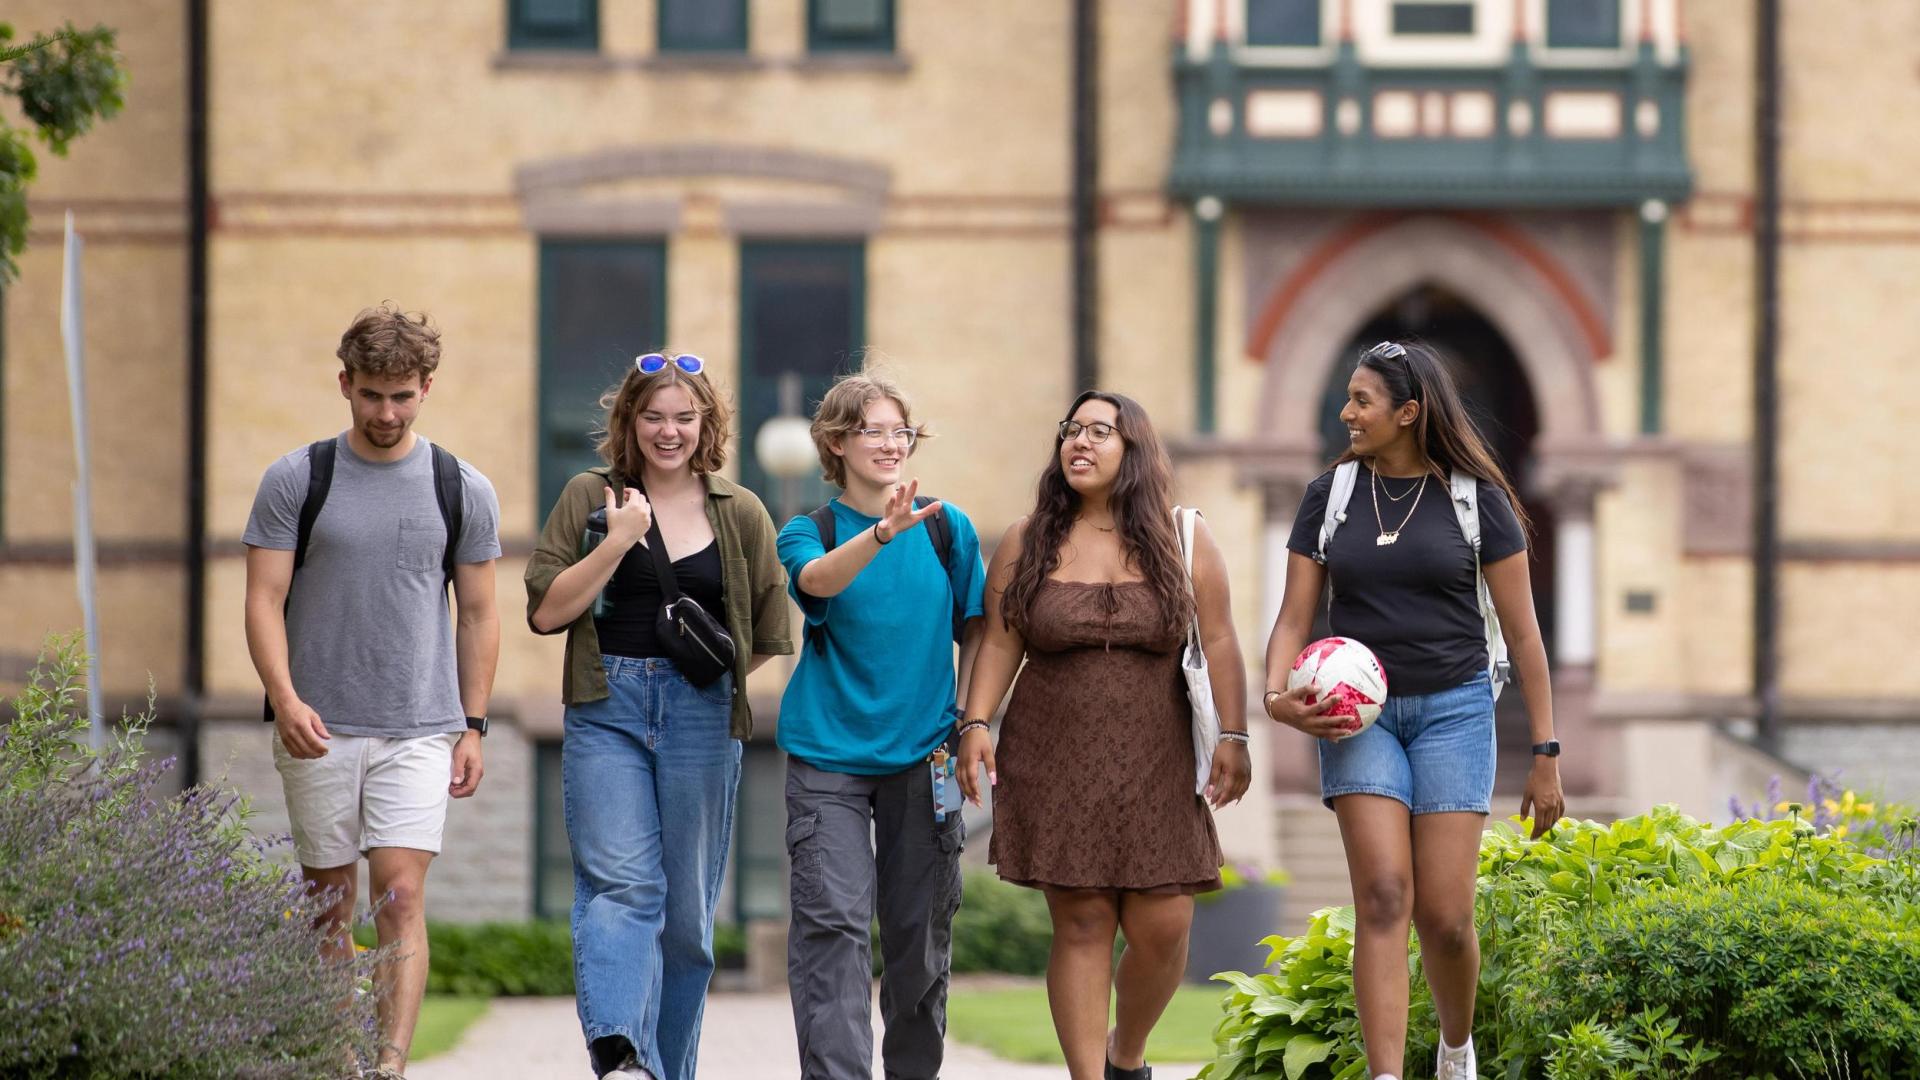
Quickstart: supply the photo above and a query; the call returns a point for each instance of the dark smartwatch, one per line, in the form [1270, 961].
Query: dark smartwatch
[479, 724]
[1550, 748]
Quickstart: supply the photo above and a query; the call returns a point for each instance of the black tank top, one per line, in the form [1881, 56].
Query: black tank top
[629, 626]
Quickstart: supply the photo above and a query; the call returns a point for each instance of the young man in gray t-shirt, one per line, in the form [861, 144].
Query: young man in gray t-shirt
[378, 702]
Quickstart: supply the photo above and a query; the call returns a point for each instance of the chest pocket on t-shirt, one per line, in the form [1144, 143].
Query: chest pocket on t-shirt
[421, 539]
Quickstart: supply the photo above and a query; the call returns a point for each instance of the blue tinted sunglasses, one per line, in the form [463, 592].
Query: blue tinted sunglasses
[653, 363]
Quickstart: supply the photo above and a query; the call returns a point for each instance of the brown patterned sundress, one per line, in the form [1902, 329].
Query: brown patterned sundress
[1096, 752]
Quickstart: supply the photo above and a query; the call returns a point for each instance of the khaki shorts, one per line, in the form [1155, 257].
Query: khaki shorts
[367, 792]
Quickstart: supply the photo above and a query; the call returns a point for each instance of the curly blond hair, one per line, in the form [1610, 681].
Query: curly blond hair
[842, 412]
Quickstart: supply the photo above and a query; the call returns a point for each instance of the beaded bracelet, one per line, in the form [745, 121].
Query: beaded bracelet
[970, 725]
[1240, 737]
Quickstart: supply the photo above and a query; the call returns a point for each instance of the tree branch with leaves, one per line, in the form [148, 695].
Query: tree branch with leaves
[65, 82]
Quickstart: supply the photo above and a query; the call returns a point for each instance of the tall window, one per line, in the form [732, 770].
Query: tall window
[1283, 22]
[850, 25]
[552, 863]
[760, 835]
[553, 24]
[703, 25]
[1423, 17]
[602, 302]
[1583, 24]
[802, 311]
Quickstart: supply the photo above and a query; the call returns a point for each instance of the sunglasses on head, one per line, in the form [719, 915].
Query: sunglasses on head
[653, 363]
[1386, 350]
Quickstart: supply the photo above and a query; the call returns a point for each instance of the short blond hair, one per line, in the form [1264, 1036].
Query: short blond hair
[388, 343]
[842, 412]
[625, 400]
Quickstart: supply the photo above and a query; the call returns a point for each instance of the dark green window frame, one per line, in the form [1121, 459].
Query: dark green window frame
[823, 36]
[1284, 23]
[759, 376]
[530, 25]
[571, 379]
[1416, 18]
[671, 41]
[552, 860]
[1571, 24]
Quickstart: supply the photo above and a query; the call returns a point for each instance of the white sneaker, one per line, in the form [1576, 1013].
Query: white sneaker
[1455, 1062]
[629, 1070]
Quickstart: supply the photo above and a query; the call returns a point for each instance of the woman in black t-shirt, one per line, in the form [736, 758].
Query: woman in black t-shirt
[1412, 791]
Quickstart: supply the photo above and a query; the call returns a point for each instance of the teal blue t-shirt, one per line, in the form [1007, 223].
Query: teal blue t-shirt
[880, 697]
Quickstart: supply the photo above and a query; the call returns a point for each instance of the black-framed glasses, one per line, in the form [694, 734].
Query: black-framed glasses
[877, 437]
[653, 363]
[1098, 432]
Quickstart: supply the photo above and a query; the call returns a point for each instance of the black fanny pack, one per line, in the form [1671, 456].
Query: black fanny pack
[696, 642]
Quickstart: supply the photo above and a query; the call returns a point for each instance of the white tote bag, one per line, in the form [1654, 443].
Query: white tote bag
[1193, 665]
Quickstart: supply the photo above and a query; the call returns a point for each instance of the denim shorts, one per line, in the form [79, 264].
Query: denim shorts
[1434, 752]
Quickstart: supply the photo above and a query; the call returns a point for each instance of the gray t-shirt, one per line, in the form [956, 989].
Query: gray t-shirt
[369, 636]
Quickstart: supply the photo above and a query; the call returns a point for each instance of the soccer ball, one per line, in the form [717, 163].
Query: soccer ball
[1342, 668]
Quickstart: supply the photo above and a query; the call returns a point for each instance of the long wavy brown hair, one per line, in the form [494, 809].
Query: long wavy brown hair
[1443, 431]
[1142, 505]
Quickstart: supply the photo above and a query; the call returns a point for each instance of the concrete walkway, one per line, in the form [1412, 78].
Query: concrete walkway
[744, 1037]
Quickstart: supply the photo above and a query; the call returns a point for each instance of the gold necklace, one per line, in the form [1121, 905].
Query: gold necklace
[1385, 537]
[1402, 497]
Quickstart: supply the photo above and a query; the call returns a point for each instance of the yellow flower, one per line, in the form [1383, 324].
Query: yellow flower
[1833, 808]
[1864, 809]
[1838, 831]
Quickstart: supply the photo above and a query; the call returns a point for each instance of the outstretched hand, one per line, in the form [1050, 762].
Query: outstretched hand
[901, 514]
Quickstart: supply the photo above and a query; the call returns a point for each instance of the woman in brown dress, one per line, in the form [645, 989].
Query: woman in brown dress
[1097, 805]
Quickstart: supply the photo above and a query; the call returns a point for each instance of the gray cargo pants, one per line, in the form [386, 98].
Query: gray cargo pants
[844, 833]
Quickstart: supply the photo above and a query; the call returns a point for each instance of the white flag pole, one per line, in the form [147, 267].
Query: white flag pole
[71, 325]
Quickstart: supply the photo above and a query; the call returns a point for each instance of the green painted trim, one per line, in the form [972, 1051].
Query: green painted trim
[1206, 317]
[585, 35]
[819, 39]
[752, 391]
[549, 480]
[1652, 291]
[1361, 169]
[734, 43]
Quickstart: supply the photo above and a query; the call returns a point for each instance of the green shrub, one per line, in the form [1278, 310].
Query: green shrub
[1001, 927]
[146, 936]
[1770, 970]
[1299, 1023]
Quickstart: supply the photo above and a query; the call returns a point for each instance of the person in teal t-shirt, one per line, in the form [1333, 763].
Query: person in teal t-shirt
[873, 818]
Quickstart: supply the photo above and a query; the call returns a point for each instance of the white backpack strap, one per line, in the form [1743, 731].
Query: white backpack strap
[1345, 475]
[1466, 509]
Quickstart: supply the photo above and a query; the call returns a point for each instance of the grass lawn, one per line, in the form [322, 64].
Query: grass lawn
[1014, 1024]
[443, 1019]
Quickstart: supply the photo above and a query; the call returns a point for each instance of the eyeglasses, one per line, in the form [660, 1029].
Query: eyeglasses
[1098, 432]
[1386, 350]
[873, 436]
[653, 363]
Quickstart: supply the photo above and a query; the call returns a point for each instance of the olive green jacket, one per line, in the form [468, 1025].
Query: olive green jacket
[752, 581]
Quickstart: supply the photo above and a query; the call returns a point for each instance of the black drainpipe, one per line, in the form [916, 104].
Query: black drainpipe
[195, 680]
[1086, 194]
[1766, 381]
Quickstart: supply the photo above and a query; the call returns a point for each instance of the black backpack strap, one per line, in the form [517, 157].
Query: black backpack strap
[319, 481]
[822, 518]
[940, 532]
[449, 493]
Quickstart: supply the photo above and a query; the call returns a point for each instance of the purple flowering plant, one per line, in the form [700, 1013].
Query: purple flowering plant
[143, 935]
[1878, 827]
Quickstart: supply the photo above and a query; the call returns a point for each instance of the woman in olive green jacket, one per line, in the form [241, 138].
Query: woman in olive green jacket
[652, 758]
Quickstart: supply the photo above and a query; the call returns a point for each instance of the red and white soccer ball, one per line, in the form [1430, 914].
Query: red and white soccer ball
[1345, 669]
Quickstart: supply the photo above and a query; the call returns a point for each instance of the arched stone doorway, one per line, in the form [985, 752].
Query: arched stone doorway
[1479, 289]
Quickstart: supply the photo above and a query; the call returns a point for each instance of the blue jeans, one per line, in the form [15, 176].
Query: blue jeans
[649, 779]
[1434, 752]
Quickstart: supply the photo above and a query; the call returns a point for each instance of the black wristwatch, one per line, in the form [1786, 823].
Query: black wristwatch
[1550, 748]
[479, 724]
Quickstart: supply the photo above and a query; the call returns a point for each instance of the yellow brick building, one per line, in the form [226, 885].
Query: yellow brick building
[1562, 192]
